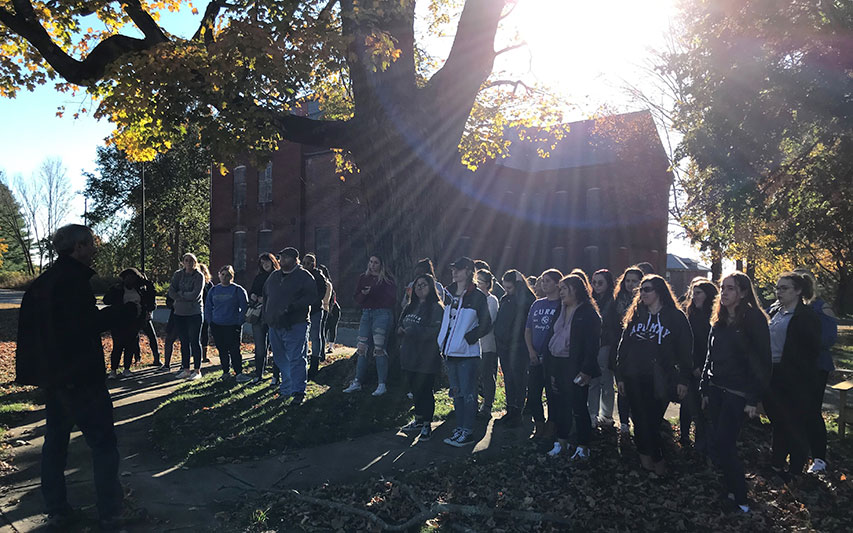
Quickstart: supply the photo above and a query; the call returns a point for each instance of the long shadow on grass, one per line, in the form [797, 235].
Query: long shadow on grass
[218, 421]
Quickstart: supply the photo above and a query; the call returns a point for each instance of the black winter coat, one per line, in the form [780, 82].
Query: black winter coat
[59, 328]
[801, 350]
[510, 323]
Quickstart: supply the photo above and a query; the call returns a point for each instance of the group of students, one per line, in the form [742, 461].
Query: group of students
[571, 337]
[200, 310]
[717, 352]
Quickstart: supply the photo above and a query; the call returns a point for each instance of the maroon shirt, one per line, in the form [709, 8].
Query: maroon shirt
[381, 296]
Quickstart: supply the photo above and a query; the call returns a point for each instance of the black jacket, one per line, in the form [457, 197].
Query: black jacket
[510, 323]
[665, 337]
[700, 323]
[59, 328]
[739, 357]
[320, 282]
[419, 344]
[583, 343]
[258, 283]
[801, 350]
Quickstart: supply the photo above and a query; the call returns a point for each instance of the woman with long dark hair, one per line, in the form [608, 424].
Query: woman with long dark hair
[186, 291]
[509, 340]
[735, 376]
[601, 391]
[420, 323]
[794, 348]
[572, 361]
[623, 296]
[654, 363]
[375, 293]
[537, 333]
[267, 263]
[699, 305]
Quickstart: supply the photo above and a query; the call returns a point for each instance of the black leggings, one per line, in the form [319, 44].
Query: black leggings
[125, 340]
[536, 383]
[646, 412]
[148, 330]
[726, 413]
[788, 408]
[422, 386]
[817, 426]
[567, 403]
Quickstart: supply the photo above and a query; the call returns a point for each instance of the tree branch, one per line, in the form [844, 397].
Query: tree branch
[433, 511]
[25, 23]
[144, 22]
[515, 84]
[510, 48]
[205, 27]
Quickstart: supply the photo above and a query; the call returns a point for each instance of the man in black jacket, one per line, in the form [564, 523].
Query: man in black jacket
[316, 335]
[59, 349]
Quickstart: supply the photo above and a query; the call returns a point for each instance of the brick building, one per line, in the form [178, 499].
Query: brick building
[599, 200]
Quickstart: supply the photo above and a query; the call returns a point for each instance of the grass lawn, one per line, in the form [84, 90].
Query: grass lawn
[212, 420]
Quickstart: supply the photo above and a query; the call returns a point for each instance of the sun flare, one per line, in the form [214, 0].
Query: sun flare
[575, 45]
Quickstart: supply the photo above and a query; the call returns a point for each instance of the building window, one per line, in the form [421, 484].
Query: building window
[264, 241]
[239, 186]
[240, 251]
[323, 245]
[265, 185]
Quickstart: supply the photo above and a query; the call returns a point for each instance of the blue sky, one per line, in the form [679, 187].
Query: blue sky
[583, 50]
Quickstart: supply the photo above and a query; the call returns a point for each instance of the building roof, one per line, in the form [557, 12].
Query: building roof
[583, 145]
[675, 263]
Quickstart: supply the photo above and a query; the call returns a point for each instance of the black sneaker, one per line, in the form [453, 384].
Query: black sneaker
[298, 399]
[426, 433]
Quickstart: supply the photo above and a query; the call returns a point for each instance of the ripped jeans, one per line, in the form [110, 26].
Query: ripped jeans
[463, 373]
[375, 323]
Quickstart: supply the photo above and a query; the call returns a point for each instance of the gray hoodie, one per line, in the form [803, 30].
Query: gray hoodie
[287, 296]
[186, 290]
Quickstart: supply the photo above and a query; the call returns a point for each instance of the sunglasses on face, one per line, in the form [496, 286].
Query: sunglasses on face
[648, 288]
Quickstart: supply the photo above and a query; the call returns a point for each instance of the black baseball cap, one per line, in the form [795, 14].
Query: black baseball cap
[290, 251]
[463, 263]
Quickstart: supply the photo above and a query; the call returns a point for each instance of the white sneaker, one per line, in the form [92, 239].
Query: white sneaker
[353, 387]
[380, 390]
[451, 439]
[819, 465]
[183, 373]
[112, 375]
[581, 454]
[410, 396]
[556, 450]
[194, 375]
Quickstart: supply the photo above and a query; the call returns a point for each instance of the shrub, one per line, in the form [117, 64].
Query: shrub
[16, 280]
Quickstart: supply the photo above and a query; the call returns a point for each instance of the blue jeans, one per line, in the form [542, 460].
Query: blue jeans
[463, 373]
[290, 352]
[375, 324]
[189, 332]
[91, 409]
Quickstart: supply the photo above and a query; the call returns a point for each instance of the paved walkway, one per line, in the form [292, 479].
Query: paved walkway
[182, 499]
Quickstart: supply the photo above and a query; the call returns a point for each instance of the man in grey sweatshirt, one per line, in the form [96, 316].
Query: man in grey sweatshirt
[288, 293]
